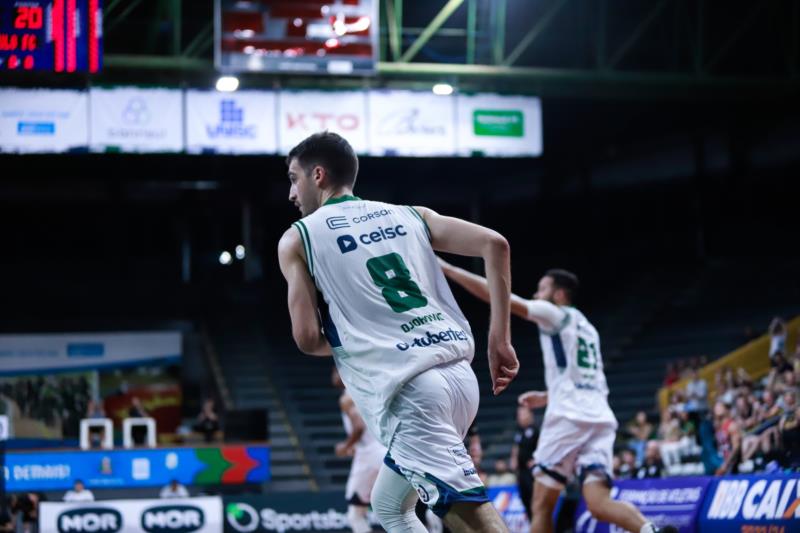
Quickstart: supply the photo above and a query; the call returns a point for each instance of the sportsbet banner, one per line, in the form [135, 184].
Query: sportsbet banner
[670, 501]
[186, 515]
[753, 504]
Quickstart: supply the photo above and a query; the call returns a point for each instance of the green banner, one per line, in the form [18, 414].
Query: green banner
[498, 122]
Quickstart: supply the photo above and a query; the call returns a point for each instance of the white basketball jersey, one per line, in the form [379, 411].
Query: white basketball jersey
[388, 312]
[576, 384]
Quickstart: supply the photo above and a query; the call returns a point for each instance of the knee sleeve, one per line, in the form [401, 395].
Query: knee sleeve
[393, 501]
[357, 518]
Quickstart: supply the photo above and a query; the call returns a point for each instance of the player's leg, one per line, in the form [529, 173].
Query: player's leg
[597, 496]
[393, 501]
[474, 517]
[545, 497]
[357, 518]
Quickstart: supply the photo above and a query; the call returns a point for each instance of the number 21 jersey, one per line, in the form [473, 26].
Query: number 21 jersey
[388, 311]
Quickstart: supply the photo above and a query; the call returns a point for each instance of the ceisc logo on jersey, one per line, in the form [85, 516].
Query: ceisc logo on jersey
[346, 243]
[337, 222]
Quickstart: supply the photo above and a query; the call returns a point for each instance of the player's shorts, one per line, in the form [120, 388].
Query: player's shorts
[363, 472]
[567, 447]
[435, 410]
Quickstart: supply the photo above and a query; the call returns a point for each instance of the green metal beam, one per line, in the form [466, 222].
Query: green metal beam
[112, 5]
[637, 33]
[394, 30]
[430, 30]
[115, 61]
[499, 33]
[472, 23]
[538, 28]
[745, 24]
[201, 42]
[122, 16]
[177, 27]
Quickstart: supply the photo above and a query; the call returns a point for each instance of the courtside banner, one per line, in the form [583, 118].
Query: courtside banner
[47, 353]
[184, 515]
[302, 113]
[129, 119]
[508, 503]
[43, 120]
[242, 122]
[673, 501]
[753, 504]
[496, 125]
[284, 512]
[411, 123]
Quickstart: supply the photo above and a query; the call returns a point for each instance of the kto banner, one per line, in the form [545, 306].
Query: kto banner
[43, 120]
[44, 352]
[313, 511]
[140, 467]
[185, 515]
[753, 504]
[301, 113]
[130, 119]
[508, 503]
[670, 501]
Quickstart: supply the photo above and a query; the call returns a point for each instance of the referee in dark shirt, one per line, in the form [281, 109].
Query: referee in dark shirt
[525, 439]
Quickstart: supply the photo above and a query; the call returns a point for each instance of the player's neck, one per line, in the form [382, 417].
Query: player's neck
[336, 194]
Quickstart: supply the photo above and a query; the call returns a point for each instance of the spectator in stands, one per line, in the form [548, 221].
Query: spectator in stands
[652, 467]
[789, 426]
[78, 493]
[728, 440]
[696, 393]
[670, 428]
[137, 410]
[207, 421]
[27, 505]
[671, 375]
[640, 430]
[173, 490]
[501, 476]
[777, 337]
[521, 461]
[94, 410]
[780, 364]
[7, 518]
[627, 466]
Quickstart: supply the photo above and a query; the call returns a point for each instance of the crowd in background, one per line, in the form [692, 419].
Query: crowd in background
[57, 401]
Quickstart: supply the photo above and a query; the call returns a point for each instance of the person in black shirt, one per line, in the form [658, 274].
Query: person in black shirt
[521, 461]
[652, 466]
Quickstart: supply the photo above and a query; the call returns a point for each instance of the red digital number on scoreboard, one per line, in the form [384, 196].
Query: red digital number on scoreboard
[28, 18]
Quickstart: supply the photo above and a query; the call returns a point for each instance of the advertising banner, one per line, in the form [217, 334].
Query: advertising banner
[139, 467]
[56, 352]
[277, 512]
[495, 125]
[129, 119]
[753, 504]
[242, 122]
[670, 501]
[508, 503]
[301, 113]
[43, 120]
[185, 515]
[407, 123]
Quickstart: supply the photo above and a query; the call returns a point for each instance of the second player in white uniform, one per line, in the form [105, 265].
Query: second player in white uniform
[579, 428]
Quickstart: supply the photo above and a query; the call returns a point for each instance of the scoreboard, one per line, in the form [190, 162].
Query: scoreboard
[51, 35]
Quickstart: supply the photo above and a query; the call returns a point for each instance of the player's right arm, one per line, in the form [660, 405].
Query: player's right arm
[306, 329]
[458, 236]
[544, 313]
[348, 407]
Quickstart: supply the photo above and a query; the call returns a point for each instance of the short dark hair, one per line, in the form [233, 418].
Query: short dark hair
[566, 280]
[330, 151]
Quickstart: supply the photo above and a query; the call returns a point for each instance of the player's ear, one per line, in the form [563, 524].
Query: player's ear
[320, 176]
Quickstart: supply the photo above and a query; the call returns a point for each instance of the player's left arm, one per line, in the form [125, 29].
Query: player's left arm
[348, 407]
[533, 399]
[306, 329]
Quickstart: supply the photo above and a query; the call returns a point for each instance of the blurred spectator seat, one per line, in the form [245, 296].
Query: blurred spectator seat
[128, 425]
[87, 424]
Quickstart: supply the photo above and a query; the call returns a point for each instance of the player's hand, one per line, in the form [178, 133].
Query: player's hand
[343, 450]
[446, 267]
[503, 364]
[533, 399]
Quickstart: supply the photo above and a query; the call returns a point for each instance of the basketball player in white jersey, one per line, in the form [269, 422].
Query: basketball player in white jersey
[399, 340]
[579, 428]
[367, 454]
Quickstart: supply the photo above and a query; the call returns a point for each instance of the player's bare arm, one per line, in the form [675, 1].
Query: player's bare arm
[348, 407]
[306, 329]
[479, 287]
[533, 399]
[453, 235]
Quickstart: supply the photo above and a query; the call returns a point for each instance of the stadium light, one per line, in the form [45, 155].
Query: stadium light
[227, 84]
[225, 258]
[240, 252]
[443, 89]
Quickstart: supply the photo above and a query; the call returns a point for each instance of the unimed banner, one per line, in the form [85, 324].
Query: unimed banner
[302, 113]
[185, 515]
[130, 119]
[753, 504]
[43, 120]
[57, 352]
[497, 125]
[410, 123]
[241, 122]
[670, 501]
